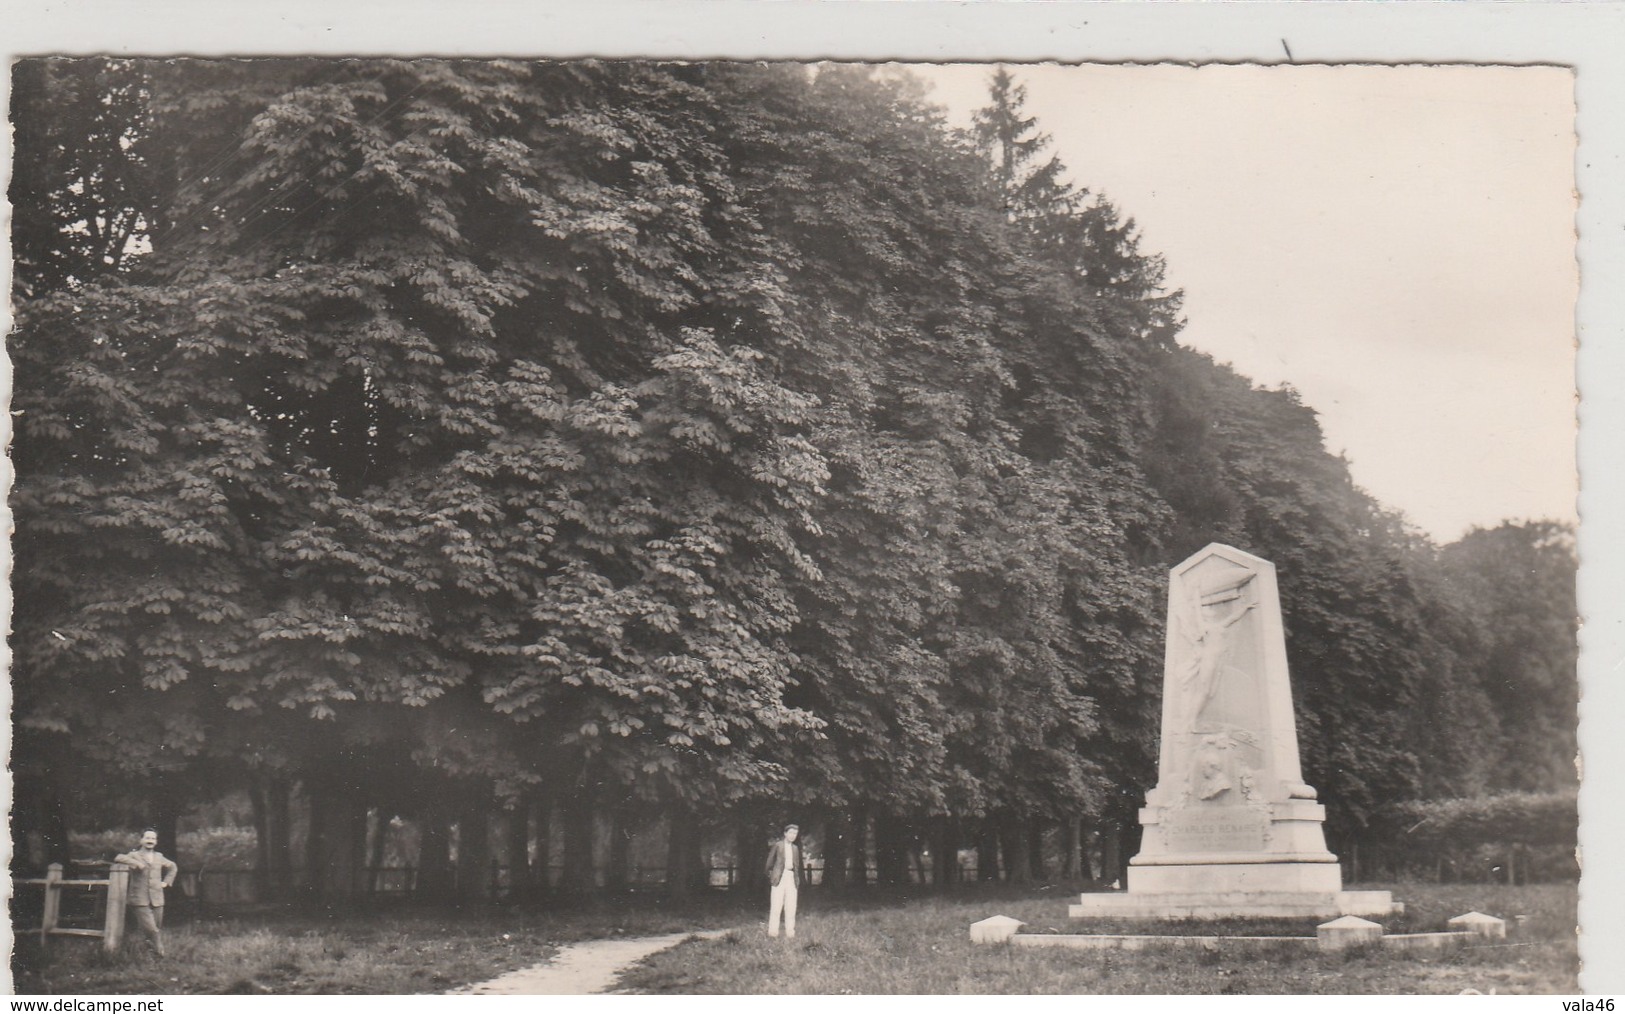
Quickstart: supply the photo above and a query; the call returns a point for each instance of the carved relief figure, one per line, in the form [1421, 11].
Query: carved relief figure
[1212, 780]
[1216, 713]
[1209, 683]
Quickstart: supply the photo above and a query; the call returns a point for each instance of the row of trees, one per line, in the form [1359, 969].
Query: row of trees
[631, 440]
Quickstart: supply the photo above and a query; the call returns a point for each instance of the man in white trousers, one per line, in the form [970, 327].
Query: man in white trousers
[784, 872]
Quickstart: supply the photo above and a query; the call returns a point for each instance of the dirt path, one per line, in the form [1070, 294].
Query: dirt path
[589, 967]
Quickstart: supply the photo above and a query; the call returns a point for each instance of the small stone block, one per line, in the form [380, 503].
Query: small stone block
[997, 929]
[1349, 931]
[1481, 924]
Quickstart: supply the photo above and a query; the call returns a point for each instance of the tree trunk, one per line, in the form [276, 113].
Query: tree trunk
[474, 847]
[1014, 843]
[891, 850]
[315, 834]
[58, 830]
[677, 884]
[1088, 852]
[1037, 866]
[837, 849]
[336, 845]
[858, 870]
[750, 847]
[516, 845]
[279, 839]
[262, 840]
[1070, 826]
[377, 838]
[620, 850]
[1111, 853]
[166, 817]
[543, 865]
[34, 795]
[579, 876]
[1132, 838]
[435, 881]
[355, 845]
[945, 851]
[987, 851]
[695, 863]
[685, 872]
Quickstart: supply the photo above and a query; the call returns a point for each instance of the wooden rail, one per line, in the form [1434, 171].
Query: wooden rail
[118, 890]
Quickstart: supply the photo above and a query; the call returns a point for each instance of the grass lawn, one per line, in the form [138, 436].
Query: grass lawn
[871, 943]
[922, 946]
[389, 950]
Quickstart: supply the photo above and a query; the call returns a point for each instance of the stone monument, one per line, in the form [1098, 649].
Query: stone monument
[1230, 829]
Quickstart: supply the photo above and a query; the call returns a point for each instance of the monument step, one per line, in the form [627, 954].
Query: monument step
[1236, 905]
[1230, 859]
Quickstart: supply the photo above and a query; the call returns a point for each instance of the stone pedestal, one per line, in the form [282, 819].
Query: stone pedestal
[1230, 818]
[996, 929]
[1479, 924]
[1349, 931]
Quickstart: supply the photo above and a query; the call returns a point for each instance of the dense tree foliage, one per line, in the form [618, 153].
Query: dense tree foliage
[1516, 583]
[442, 436]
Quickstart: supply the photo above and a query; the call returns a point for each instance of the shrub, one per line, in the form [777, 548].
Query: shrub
[213, 848]
[1512, 818]
[1521, 836]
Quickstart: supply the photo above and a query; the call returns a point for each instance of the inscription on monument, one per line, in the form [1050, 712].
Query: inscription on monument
[1215, 829]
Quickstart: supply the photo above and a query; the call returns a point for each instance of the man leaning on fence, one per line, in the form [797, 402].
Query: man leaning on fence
[784, 873]
[150, 877]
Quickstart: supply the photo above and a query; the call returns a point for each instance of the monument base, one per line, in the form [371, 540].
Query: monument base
[1294, 875]
[1299, 886]
[1237, 904]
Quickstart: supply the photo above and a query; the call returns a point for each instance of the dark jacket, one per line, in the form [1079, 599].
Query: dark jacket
[775, 862]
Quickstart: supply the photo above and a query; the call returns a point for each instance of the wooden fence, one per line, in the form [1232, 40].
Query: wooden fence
[113, 893]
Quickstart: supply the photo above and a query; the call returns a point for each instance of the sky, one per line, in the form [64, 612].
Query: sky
[1397, 243]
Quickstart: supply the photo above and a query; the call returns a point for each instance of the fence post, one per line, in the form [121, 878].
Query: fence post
[118, 892]
[53, 900]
